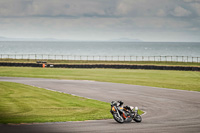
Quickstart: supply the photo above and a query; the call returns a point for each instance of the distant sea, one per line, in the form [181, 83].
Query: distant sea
[102, 48]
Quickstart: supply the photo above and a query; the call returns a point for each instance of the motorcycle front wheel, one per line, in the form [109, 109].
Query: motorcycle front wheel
[137, 118]
[117, 118]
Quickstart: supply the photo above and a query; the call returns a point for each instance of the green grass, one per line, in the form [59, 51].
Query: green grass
[26, 104]
[21, 103]
[183, 80]
[158, 63]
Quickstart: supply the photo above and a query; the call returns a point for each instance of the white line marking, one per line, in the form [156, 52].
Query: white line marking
[75, 95]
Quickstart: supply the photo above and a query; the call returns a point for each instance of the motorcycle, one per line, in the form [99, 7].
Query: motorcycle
[124, 114]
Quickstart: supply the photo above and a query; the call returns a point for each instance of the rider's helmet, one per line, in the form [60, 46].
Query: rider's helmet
[121, 103]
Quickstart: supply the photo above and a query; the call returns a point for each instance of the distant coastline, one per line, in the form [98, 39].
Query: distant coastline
[68, 40]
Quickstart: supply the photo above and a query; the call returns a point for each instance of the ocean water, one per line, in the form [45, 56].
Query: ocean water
[191, 49]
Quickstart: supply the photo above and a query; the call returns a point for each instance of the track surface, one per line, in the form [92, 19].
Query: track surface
[167, 110]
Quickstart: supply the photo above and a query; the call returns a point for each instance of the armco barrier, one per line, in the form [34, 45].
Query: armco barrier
[181, 68]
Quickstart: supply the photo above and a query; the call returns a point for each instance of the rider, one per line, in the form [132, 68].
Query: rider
[126, 109]
[121, 103]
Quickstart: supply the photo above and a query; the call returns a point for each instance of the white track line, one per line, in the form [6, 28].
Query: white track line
[76, 95]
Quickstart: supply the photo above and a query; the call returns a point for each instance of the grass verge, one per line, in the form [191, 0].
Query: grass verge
[24, 104]
[21, 103]
[157, 63]
[183, 80]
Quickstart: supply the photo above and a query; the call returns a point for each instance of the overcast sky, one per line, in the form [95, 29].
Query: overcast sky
[147, 20]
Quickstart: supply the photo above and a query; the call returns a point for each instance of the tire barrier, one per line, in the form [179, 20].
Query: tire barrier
[150, 67]
[20, 64]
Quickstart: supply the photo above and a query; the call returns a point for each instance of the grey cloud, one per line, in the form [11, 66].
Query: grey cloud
[103, 19]
[97, 8]
[24, 8]
[180, 12]
[161, 13]
[155, 8]
[191, 0]
[196, 7]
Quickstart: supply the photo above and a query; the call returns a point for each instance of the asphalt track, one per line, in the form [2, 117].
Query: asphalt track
[168, 110]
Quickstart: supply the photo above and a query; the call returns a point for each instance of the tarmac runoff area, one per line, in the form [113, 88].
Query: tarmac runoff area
[168, 110]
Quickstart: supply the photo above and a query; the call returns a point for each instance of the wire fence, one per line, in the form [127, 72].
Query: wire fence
[100, 58]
